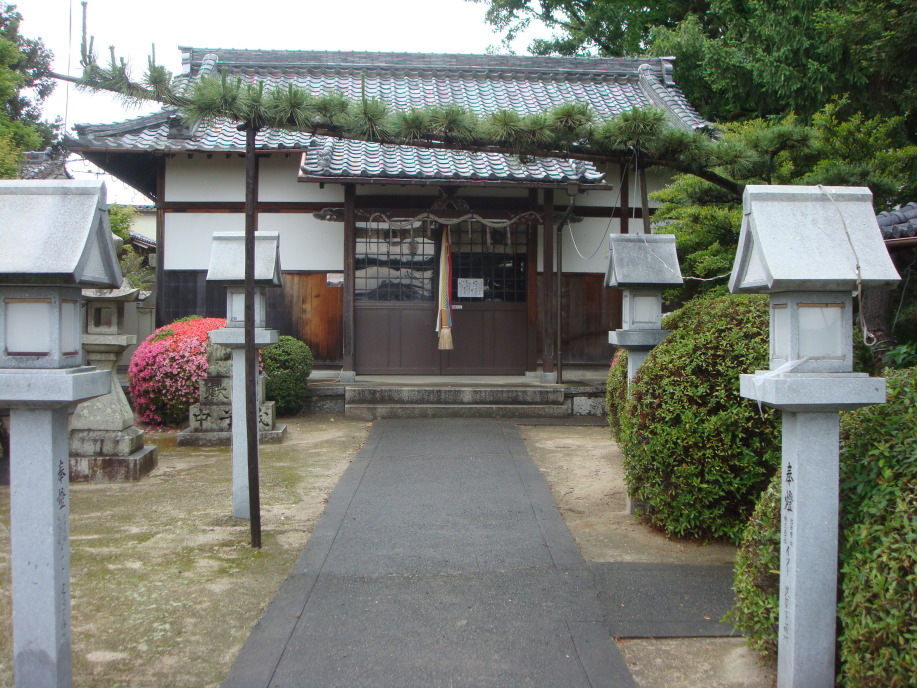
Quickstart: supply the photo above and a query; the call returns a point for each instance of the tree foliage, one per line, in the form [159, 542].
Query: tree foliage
[836, 149]
[744, 60]
[25, 81]
[610, 28]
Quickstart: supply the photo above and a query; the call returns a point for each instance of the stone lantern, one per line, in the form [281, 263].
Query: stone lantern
[809, 248]
[54, 240]
[105, 445]
[227, 267]
[642, 266]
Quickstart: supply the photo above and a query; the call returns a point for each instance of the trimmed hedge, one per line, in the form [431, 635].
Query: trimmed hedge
[287, 365]
[756, 574]
[878, 574]
[877, 607]
[696, 454]
[616, 391]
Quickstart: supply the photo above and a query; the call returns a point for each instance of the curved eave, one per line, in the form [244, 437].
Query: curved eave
[136, 168]
[492, 183]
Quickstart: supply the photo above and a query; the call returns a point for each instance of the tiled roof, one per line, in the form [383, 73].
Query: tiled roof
[142, 241]
[482, 83]
[43, 165]
[899, 224]
[328, 157]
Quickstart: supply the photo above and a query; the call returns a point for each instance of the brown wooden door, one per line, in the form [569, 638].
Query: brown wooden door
[395, 306]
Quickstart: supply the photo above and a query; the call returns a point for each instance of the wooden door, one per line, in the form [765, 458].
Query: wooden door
[395, 301]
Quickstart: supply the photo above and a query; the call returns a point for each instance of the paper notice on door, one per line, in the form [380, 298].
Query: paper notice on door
[470, 288]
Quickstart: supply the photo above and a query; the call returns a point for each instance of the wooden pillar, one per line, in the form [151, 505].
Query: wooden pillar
[624, 216]
[558, 236]
[547, 281]
[350, 247]
[644, 203]
[625, 200]
[251, 352]
[531, 359]
[160, 240]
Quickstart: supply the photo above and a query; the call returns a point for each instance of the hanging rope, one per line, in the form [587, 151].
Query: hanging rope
[869, 339]
[444, 315]
[404, 223]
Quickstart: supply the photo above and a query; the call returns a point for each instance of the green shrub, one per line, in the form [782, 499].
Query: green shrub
[878, 555]
[878, 609]
[695, 452]
[616, 391]
[877, 604]
[287, 365]
[756, 574]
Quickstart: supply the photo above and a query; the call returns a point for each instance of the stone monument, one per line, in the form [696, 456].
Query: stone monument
[642, 266]
[227, 267]
[105, 445]
[809, 248]
[54, 240]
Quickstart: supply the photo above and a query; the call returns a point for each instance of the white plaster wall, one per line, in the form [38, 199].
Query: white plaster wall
[188, 237]
[145, 223]
[306, 243]
[589, 238]
[200, 178]
[655, 180]
[277, 182]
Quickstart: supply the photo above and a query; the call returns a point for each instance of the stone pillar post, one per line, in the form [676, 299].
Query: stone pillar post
[233, 338]
[40, 546]
[809, 520]
[809, 512]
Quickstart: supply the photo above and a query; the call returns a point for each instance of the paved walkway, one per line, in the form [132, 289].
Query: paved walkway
[441, 560]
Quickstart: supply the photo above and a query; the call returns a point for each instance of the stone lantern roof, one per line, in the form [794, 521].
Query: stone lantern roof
[643, 260]
[227, 259]
[824, 234]
[56, 232]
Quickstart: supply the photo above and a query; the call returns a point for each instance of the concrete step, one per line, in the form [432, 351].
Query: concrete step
[502, 396]
[390, 410]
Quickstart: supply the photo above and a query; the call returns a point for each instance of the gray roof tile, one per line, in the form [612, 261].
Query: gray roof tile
[482, 83]
[899, 224]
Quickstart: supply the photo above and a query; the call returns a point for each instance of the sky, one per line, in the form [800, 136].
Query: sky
[133, 27]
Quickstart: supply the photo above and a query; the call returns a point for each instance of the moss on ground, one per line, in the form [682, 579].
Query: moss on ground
[165, 585]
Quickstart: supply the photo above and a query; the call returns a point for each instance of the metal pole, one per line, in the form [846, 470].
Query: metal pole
[251, 353]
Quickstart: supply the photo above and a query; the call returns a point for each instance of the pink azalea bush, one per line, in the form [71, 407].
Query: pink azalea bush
[166, 367]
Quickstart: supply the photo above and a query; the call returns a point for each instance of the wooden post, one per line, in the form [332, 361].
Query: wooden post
[532, 286]
[644, 203]
[160, 240]
[547, 268]
[559, 238]
[350, 248]
[251, 353]
[625, 200]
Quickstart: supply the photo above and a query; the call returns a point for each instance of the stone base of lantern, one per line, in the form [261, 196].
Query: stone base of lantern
[114, 469]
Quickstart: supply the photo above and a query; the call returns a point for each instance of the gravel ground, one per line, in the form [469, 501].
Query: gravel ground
[165, 584]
